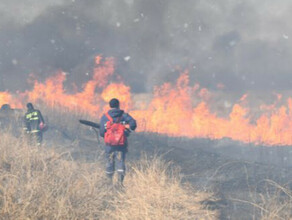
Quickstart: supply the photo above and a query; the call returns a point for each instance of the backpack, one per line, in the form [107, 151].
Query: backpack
[115, 132]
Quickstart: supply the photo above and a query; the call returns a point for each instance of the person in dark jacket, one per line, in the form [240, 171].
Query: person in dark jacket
[33, 124]
[116, 153]
[9, 119]
[6, 114]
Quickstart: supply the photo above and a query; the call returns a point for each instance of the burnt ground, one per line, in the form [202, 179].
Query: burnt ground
[237, 173]
[232, 170]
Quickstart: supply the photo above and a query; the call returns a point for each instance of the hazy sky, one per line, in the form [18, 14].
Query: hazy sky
[244, 44]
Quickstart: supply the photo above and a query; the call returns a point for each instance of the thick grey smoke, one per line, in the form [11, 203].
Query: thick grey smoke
[243, 44]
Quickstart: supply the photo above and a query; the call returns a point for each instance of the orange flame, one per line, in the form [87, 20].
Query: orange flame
[118, 90]
[7, 98]
[52, 92]
[178, 109]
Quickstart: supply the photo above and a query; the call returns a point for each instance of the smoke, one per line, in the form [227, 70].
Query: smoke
[244, 45]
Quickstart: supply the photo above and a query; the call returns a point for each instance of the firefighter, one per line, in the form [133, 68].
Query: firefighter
[113, 130]
[34, 124]
[6, 114]
[5, 107]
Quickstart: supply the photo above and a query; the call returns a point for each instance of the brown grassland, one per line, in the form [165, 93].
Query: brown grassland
[49, 183]
[41, 183]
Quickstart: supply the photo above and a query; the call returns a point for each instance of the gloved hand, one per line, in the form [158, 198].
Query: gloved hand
[127, 132]
[43, 127]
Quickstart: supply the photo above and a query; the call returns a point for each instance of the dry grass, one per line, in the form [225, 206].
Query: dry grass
[156, 192]
[273, 203]
[38, 183]
[276, 203]
[41, 184]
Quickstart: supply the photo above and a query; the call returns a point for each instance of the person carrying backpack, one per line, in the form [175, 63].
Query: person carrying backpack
[113, 130]
[34, 124]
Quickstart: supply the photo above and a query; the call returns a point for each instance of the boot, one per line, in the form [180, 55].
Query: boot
[109, 179]
[121, 180]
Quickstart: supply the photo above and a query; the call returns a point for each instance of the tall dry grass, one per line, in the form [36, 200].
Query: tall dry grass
[154, 191]
[39, 183]
[276, 202]
[273, 202]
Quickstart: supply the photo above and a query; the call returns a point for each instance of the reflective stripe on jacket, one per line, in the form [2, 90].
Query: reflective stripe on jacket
[32, 120]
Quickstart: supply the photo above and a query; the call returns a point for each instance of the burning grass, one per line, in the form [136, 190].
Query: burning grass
[39, 183]
[190, 107]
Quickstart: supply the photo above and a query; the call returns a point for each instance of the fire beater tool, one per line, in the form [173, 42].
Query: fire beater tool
[93, 125]
[89, 123]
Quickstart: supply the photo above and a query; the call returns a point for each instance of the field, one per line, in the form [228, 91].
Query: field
[59, 181]
[167, 178]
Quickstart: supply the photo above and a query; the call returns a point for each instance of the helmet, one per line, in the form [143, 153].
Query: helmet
[29, 106]
[114, 103]
[5, 107]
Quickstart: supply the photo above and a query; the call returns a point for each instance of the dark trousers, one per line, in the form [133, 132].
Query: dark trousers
[35, 138]
[115, 160]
